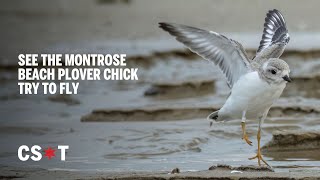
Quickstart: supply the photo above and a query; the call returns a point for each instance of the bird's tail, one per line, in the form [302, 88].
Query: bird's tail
[213, 116]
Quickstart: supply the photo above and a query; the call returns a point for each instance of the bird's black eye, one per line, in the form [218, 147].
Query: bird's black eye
[273, 71]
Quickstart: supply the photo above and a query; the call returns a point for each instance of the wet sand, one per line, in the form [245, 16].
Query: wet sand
[144, 129]
[217, 172]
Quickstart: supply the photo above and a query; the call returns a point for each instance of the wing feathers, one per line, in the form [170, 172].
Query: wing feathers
[228, 54]
[275, 31]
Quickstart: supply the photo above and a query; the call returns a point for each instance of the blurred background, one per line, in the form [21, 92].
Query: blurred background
[159, 122]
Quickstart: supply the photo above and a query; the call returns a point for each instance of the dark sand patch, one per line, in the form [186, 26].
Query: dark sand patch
[181, 89]
[294, 140]
[294, 155]
[294, 145]
[167, 112]
[163, 114]
[241, 168]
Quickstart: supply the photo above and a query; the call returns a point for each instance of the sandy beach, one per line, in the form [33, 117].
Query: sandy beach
[144, 129]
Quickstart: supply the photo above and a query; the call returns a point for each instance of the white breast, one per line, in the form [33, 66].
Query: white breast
[252, 94]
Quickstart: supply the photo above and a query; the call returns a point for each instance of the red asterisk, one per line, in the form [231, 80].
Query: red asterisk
[49, 152]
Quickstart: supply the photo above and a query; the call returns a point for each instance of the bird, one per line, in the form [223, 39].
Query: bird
[255, 83]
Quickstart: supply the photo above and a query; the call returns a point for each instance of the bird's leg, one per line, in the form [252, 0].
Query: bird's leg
[243, 126]
[259, 155]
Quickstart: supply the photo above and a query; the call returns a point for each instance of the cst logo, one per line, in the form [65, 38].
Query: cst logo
[34, 153]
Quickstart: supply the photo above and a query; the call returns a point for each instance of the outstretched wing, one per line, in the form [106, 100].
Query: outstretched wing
[228, 54]
[275, 32]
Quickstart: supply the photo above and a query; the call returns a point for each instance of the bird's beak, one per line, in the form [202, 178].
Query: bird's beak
[287, 78]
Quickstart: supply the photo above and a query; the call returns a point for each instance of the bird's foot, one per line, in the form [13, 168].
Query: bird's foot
[259, 156]
[246, 138]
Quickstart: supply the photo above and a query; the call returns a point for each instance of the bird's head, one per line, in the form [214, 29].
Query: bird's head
[276, 70]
